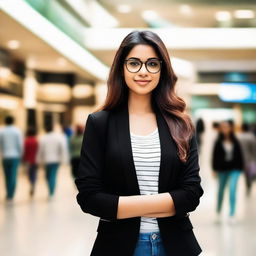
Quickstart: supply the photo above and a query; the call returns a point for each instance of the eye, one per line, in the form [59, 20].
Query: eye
[153, 63]
[134, 63]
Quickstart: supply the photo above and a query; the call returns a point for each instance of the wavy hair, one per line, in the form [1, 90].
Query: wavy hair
[163, 97]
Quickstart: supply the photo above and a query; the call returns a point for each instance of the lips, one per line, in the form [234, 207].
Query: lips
[142, 82]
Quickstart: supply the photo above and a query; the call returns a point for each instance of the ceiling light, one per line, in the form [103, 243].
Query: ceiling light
[81, 91]
[149, 15]
[57, 92]
[222, 16]
[185, 9]
[244, 14]
[13, 44]
[124, 8]
[61, 62]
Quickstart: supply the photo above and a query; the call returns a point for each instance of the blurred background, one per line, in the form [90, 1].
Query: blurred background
[55, 57]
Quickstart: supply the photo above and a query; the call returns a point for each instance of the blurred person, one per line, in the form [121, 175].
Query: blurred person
[200, 128]
[227, 163]
[68, 131]
[253, 128]
[75, 149]
[248, 144]
[214, 133]
[11, 148]
[29, 157]
[139, 168]
[52, 151]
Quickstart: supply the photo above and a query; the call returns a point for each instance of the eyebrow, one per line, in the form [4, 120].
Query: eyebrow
[152, 58]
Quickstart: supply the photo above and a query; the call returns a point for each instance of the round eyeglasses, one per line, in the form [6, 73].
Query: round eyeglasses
[152, 65]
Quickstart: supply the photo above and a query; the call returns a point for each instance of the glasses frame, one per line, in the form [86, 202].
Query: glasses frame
[145, 63]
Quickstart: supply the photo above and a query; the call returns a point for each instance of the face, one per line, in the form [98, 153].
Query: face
[225, 128]
[142, 82]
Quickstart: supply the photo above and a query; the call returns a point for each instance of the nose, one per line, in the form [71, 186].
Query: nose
[143, 70]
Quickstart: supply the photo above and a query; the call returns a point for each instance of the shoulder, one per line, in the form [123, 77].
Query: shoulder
[99, 118]
[100, 114]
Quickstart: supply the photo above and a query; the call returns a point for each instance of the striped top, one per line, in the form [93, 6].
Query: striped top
[146, 155]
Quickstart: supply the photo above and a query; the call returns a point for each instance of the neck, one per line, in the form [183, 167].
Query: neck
[139, 104]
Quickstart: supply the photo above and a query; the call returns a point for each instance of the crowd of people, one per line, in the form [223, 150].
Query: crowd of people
[233, 154]
[49, 150]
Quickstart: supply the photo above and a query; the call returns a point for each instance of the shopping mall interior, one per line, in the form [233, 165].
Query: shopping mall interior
[55, 57]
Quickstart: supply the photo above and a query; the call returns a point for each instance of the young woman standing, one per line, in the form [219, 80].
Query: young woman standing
[227, 162]
[139, 161]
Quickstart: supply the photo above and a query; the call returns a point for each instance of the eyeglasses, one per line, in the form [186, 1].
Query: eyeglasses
[134, 65]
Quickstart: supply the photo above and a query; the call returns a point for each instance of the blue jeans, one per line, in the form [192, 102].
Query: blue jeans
[224, 178]
[51, 174]
[32, 174]
[150, 244]
[10, 166]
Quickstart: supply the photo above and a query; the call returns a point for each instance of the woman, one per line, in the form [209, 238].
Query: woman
[30, 151]
[52, 152]
[227, 163]
[139, 161]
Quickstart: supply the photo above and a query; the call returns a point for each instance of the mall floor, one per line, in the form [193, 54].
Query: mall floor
[57, 227]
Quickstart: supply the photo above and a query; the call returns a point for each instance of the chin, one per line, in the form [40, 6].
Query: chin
[141, 92]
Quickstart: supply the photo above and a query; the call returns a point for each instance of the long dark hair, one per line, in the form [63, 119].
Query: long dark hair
[163, 96]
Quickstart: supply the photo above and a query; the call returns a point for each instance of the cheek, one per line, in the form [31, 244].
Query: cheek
[156, 79]
[127, 77]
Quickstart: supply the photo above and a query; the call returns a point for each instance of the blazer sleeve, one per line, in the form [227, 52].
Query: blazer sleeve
[187, 197]
[91, 197]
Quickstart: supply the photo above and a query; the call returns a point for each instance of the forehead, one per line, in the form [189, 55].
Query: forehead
[143, 52]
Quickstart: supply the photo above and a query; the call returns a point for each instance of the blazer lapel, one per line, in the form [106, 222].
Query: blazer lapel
[168, 154]
[124, 141]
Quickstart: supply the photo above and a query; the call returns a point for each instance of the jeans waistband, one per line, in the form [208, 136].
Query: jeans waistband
[151, 236]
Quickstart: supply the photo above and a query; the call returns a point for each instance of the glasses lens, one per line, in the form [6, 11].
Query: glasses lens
[153, 66]
[133, 65]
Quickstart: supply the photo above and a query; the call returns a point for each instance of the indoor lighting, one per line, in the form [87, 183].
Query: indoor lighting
[185, 9]
[222, 16]
[60, 42]
[244, 14]
[124, 8]
[149, 15]
[81, 91]
[4, 72]
[56, 92]
[13, 44]
[61, 62]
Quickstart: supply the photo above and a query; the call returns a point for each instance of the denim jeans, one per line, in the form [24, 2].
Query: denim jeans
[10, 166]
[32, 173]
[149, 244]
[225, 177]
[51, 175]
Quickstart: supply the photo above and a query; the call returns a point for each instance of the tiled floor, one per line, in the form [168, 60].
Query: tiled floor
[40, 227]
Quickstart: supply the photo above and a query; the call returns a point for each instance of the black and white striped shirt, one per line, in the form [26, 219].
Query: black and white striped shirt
[146, 155]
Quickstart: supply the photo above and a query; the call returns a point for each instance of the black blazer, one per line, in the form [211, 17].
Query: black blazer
[107, 171]
[219, 162]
